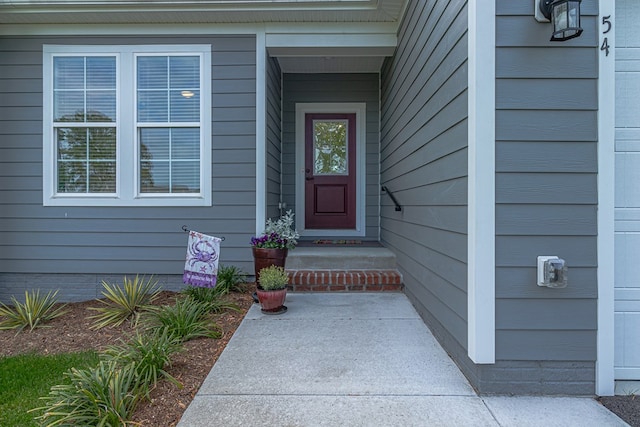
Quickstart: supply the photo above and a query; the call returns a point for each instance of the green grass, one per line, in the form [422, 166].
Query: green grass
[24, 379]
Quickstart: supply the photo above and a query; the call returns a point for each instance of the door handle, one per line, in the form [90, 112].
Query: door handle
[308, 177]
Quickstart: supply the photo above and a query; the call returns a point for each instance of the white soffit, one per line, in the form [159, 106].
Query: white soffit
[330, 52]
[331, 64]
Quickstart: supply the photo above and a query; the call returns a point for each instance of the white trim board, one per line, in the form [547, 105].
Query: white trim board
[605, 384]
[261, 133]
[481, 183]
[361, 122]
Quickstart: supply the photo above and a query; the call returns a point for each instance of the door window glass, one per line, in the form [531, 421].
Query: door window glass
[330, 147]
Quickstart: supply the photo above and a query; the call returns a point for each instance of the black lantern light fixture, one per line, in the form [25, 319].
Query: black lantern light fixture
[563, 14]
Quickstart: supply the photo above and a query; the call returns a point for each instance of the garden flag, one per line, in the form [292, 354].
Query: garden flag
[201, 266]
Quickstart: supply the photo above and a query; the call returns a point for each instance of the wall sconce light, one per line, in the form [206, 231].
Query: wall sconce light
[564, 14]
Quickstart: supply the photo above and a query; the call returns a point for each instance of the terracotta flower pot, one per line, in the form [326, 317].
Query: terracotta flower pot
[265, 257]
[272, 301]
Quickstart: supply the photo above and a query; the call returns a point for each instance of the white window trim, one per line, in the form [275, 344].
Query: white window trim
[126, 152]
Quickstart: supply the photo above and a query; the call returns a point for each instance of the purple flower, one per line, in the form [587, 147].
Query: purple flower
[279, 234]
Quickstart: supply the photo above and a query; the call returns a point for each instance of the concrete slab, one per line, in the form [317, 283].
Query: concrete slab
[331, 411]
[525, 411]
[358, 360]
[335, 356]
[322, 306]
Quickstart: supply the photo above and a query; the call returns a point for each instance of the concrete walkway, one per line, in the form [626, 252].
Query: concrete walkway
[358, 359]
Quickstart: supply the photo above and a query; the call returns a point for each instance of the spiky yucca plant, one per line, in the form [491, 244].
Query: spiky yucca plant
[149, 352]
[126, 302]
[35, 311]
[105, 395]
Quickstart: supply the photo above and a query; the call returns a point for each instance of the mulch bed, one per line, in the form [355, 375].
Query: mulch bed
[72, 333]
[626, 407]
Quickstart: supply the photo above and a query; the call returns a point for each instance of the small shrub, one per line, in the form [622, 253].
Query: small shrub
[185, 320]
[210, 297]
[230, 279]
[105, 395]
[149, 353]
[36, 310]
[273, 277]
[125, 302]
[201, 294]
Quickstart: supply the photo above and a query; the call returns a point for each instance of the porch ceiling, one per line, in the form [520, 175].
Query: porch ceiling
[198, 11]
[332, 52]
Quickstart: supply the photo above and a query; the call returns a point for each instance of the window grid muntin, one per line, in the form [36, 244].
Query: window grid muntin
[59, 125]
[169, 124]
[127, 194]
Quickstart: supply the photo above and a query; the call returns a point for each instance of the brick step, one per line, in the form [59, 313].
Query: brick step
[369, 280]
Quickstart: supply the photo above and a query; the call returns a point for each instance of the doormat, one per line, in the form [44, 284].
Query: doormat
[337, 242]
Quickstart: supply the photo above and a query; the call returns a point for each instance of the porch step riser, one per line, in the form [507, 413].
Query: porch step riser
[342, 259]
[388, 280]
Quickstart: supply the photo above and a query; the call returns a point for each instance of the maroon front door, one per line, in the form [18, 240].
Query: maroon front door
[330, 171]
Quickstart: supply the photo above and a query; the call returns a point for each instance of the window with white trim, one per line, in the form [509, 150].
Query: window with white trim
[127, 125]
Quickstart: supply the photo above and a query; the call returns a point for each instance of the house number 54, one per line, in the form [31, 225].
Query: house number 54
[606, 23]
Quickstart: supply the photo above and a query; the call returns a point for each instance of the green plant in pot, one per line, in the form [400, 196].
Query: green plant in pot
[273, 289]
[272, 246]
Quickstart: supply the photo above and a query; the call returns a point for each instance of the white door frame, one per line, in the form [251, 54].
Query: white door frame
[361, 122]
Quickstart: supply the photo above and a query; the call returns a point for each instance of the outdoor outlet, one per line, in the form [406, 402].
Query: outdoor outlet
[552, 272]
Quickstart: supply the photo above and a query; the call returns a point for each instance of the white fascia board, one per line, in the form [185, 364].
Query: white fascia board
[605, 372]
[128, 29]
[223, 5]
[481, 183]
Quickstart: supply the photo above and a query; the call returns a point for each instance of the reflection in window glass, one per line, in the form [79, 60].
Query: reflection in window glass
[168, 96]
[84, 89]
[169, 160]
[86, 160]
[84, 99]
[128, 125]
[168, 89]
[330, 147]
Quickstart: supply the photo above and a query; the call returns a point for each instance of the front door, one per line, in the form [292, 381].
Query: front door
[330, 171]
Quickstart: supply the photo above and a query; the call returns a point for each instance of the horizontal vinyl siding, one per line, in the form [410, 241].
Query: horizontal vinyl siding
[334, 88]
[274, 136]
[424, 163]
[114, 240]
[546, 192]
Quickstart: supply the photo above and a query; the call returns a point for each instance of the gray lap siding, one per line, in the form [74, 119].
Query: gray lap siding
[37, 243]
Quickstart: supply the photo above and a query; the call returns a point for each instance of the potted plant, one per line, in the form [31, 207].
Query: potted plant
[272, 246]
[273, 289]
